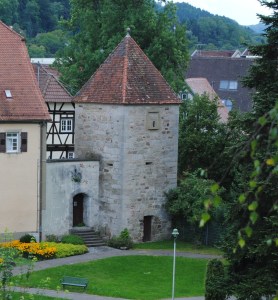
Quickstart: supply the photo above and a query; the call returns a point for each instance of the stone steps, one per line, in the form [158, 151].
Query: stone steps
[90, 237]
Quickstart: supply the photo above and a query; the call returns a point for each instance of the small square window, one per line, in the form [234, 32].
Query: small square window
[233, 85]
[71, 155]
[12, 142]
[224, 84]
[66, 125]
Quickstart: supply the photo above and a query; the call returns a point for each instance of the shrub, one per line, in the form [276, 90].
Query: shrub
[64, 250]
[52, 238]
[122, 241]
[27, 238]
[215, 281]
[72, 239]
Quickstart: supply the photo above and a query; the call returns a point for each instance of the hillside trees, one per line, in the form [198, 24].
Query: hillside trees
[98, 26]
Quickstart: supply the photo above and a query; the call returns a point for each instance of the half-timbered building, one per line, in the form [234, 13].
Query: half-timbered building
[60, 131]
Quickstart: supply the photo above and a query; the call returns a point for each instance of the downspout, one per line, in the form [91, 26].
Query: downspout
[42, 190]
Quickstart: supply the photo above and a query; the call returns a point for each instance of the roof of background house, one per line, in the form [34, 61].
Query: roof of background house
[201, 86]
[216, 53]
[217, 69]
[20, 96]
[127, 77]
[52, 89]
[43, 60]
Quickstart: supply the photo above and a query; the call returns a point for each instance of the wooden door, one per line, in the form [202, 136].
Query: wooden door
[77, 209]
[147, 228]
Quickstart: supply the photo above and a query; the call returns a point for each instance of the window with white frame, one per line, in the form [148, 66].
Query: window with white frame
[66, 125]
[12, 142]
[230, 85]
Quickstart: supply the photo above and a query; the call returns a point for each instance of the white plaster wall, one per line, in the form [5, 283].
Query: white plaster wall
[57, 216]
[19, 182]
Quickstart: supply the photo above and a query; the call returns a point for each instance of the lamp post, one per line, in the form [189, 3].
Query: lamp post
[175, 234]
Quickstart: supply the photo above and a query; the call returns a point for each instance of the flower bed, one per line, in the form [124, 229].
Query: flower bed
[39, 250]
[45, 250]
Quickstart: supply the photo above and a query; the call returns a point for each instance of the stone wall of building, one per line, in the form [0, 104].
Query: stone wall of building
[138, 149]
[64, 180]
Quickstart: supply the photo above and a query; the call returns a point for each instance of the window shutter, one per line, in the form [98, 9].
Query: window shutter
[2, 142]
[23, 141]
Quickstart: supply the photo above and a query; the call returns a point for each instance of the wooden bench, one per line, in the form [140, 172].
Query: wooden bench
[74, 281]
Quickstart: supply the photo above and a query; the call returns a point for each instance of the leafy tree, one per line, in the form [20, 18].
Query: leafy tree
[252, 220]
[201, 137]
[8, 11]
[98, 26]
[49, 42]
[185, 203]
[36, 51]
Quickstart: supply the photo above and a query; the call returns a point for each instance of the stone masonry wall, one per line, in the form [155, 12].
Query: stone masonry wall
[137, 164]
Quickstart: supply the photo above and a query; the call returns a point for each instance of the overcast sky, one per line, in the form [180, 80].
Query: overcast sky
[242, 11]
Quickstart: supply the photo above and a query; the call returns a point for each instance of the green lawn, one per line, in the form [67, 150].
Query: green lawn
[132, 277]
[180, 246]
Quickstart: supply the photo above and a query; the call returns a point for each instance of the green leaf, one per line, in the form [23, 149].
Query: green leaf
[276, 242]
[253, 206]
[217, 200]
[254, 145]
[214, 188]
[253, 217]
[269, 242]
[257, 163]
[262, 121]
[241, 242]
[252, 184]
[248, 231]
[270, 162]
[205, 218]
[242, 198]
[207, 204]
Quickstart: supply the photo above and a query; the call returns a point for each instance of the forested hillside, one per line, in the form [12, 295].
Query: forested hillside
[40, 22]
[212, 31]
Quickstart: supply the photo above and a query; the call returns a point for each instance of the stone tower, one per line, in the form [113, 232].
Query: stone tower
[128, 116]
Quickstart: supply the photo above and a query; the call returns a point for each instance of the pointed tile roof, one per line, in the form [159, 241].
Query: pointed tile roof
[24, 102]
[52, 89]
[127, 77]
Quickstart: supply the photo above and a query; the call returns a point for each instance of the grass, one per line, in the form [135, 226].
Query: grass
[180, 246]
[131, 277]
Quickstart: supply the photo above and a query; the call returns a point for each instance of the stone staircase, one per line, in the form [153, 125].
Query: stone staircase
[90, 237]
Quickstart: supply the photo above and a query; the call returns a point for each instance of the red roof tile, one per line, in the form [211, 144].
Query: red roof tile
[17, 75]
[52, 89]
[127, 77]
[201, 86]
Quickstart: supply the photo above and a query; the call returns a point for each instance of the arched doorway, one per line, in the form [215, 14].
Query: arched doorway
[78, 207]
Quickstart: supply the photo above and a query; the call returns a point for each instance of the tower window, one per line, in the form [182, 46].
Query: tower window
[153, 120]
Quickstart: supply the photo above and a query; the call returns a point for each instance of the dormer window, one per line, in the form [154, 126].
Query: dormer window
[8, 94]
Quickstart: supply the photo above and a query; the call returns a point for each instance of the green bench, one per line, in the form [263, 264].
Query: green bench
[74, 281]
